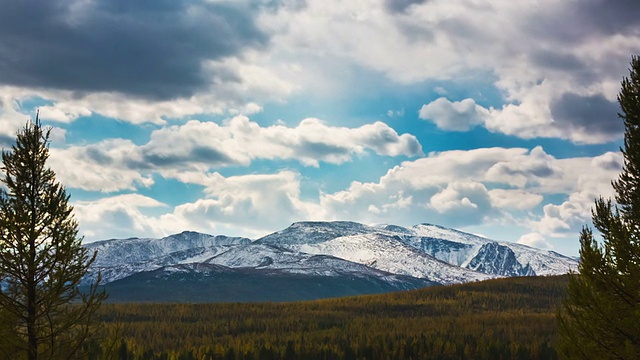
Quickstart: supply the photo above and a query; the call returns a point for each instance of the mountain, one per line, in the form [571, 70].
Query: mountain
[309, 260]
[119, 258]
[413, 251]
[379, 250]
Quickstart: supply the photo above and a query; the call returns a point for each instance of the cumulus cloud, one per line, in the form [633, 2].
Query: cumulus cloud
[140, 64]
[589, 119]
[11, 119]
[253, 83]
[118, 164]
[514, 199]
[558, 62]
[225, 208]
[457, 115]
[233, 200]
[117, 217]
[240, 140]
[539, 167]
[535, 240]
[568, 217]
[99, 167]
[463, 188]
[464, 199]
[557, 70]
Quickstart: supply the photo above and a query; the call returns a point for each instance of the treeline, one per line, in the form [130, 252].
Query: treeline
[499, 319]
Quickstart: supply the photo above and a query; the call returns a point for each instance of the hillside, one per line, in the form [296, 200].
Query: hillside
[508, 318]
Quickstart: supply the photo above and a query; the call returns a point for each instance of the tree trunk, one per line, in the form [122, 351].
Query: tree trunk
[31, 322]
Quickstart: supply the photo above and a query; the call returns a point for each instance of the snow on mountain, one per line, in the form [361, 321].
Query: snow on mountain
[387, 253]
[266, 257]
[479, 253]
[135, 249]
[119, 258]
[313, 232]
[397, 249]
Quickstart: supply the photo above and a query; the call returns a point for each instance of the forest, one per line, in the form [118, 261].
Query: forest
[512, 318]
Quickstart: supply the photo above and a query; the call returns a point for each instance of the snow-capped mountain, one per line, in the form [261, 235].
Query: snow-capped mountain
[376, 258]
[119, 258]
[136, 250]
[485, 255]
[381, 251]
[412, 251]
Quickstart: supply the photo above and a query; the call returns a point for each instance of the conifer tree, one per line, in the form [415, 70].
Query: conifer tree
[42, 260]
[600, 316]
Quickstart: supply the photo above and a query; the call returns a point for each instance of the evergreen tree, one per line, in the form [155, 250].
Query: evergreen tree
[42, 260]
[600, 317]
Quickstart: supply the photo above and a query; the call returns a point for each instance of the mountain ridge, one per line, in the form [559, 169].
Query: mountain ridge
[379, 258]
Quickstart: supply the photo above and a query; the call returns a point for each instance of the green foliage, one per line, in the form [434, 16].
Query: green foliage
[498, 319]
[600, 316]
[42, 313]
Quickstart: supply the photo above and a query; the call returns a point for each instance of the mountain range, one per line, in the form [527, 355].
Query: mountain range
[309, 260]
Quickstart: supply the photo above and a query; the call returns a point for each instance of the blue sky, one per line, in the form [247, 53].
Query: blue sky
[241, 117]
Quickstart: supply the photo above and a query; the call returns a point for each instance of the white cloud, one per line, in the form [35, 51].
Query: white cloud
[551, 62]
[460, 197]
[535, 240]
[239, 141]
[118, 164]
[593, 180]
[514, 199]
[538, 167]
[576, 120]
[250, 202]
[57, 135]
[457, 115]
[532, 55]
[395, 113]
[63, 112]
[117, 217]
[452, 188]
[248, 205]
[11, 119]
[99, 167]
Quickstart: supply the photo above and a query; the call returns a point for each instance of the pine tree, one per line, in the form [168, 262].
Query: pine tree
[600, 317]
[42, 260]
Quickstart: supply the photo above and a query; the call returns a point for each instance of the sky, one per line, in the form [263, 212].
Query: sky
[240, 117]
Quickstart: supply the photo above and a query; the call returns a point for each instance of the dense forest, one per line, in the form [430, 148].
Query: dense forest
[511, 318]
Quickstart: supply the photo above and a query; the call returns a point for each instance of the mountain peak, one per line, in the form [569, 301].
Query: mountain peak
[305, 232]
[187, 235]
[326, 224]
